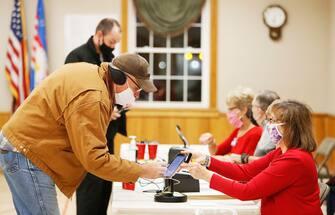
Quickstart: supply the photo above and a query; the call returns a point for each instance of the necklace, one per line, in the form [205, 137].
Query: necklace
[240, 134]
[234, 142]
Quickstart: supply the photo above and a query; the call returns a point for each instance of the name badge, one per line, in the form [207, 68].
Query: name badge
[233, 142]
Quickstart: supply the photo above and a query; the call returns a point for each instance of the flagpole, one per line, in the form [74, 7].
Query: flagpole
[24, 45]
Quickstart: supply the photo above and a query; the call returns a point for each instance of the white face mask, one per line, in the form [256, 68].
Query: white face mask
[126, 98]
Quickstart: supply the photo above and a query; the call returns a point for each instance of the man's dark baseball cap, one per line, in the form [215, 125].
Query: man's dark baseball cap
[136, 66]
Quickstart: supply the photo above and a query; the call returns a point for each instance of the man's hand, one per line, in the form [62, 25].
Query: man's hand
[115, 114]
[152, 170]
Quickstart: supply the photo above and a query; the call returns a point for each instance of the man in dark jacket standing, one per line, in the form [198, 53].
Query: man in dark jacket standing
[93, 194]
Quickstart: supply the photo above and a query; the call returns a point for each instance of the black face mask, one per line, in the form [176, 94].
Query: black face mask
[107, 52]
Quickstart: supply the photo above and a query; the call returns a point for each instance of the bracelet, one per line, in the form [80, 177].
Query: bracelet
[244, 158]
[247, 158]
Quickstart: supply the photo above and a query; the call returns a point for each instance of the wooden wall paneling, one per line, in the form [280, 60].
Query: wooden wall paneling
[319, 126]
[161, 125]
[330, 132]
[220, 128]
[194, 127]
[330, 126]
[166, 130]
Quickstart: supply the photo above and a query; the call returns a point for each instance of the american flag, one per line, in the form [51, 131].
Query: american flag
[16, 65]
[39, 60]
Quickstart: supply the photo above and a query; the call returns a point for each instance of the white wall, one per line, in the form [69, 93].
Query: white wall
[296, 67]
[56, 11]
[331, 80]
[5, 96]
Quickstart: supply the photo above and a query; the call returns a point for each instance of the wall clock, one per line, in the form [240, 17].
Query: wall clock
[275, 17]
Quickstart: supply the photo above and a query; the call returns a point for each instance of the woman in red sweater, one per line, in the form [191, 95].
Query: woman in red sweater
[285, 179]
[246, 134]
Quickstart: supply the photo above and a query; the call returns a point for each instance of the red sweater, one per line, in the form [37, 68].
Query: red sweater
[287, 183]
[244, 144]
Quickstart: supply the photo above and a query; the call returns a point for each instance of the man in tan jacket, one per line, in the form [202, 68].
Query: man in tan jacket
[58, 134]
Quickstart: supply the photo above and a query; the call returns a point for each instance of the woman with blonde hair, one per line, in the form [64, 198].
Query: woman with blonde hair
[246, 133]
[285, 179]
[260, 104]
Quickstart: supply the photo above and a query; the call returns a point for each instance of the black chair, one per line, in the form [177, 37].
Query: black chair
[331, 197]
[324, 151]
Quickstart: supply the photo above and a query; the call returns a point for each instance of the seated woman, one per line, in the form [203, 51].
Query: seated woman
[285, 179]
[246, 134]
[260, 104]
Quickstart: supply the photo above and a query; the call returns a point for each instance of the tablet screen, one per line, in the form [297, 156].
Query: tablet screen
[172, 168]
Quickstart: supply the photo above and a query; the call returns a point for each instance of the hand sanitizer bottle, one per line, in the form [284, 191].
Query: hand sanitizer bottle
[132, 148]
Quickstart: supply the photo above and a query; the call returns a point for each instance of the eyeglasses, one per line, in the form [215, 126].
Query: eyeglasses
[273, 121]
[232, 108]
[138, 86]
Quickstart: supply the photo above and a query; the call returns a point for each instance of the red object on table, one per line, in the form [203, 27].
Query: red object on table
[128, 185]
[140, 150]
[152, 150]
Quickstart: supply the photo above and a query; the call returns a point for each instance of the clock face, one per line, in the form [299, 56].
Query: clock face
[274, 16]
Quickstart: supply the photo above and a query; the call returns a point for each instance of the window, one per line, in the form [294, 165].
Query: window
[179, 65]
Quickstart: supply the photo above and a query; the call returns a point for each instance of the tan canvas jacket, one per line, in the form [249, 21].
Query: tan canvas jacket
[61, 128]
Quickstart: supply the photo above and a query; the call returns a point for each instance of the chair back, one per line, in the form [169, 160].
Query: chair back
[324, 190]
[326, 147]
[325, 150]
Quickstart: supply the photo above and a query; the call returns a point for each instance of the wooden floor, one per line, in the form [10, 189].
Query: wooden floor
[7, 207]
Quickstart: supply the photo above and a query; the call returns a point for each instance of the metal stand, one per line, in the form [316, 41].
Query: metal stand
[168, 194]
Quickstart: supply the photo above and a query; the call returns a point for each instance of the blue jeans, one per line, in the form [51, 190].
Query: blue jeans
[32, 190]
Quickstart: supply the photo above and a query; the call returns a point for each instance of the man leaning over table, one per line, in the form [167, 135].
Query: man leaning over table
[59, 133]
[93, 193]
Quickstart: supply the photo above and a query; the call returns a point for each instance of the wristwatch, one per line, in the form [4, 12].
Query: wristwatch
[206, 161]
